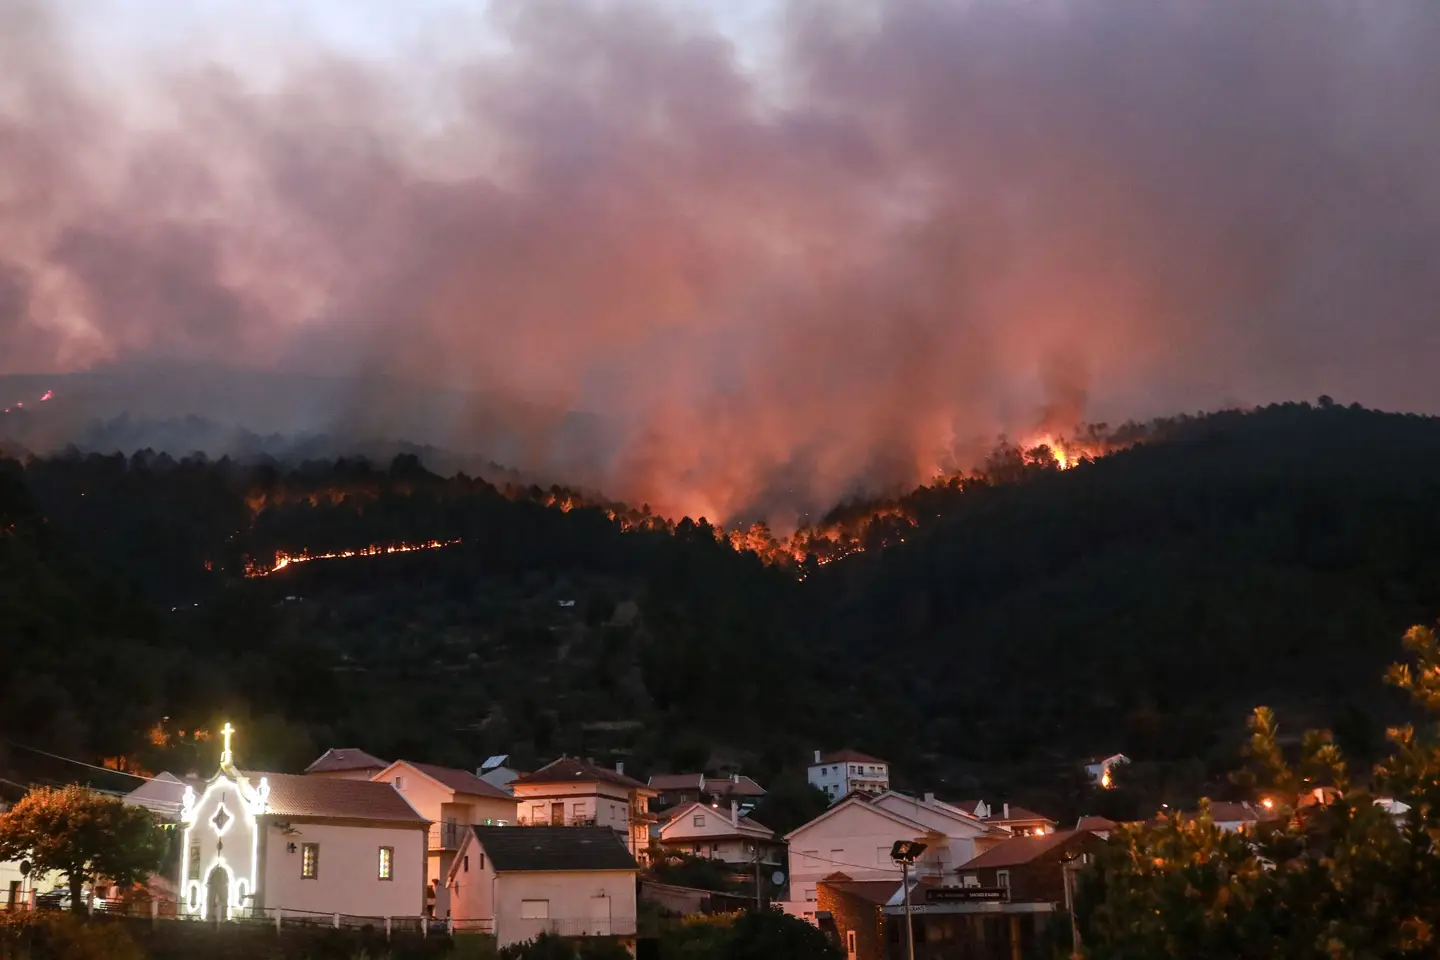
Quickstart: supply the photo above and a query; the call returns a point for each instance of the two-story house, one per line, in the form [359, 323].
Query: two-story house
[678, 789]
[720, 833]
[452, 800]
[574, 792]
[518, 883]
[854, 838]
[844, 772]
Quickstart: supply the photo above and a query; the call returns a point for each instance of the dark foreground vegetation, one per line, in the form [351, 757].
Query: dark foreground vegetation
[1139, 602]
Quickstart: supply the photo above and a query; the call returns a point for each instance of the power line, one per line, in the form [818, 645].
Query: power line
[81, 763]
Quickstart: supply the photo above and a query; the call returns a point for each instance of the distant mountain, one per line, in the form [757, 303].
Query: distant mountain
[180, 409]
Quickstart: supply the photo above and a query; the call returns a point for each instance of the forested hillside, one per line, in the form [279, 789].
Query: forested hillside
[1140, 602]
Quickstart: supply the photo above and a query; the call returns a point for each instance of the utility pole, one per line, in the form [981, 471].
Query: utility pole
[905, 853]
[758, 905]
[909, 924]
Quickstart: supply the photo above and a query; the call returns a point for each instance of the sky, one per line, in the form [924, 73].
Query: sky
[782, 251]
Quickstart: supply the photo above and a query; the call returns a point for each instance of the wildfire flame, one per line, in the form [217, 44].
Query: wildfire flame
[20, 404]
[848, 532]
[283, 559]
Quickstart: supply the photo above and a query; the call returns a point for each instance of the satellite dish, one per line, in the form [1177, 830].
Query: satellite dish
[24, 868]
[778, 878]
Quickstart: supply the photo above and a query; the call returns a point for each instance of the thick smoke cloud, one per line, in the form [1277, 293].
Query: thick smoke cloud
[927, 223]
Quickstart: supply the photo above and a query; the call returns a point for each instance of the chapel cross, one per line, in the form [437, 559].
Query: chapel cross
[226, 757]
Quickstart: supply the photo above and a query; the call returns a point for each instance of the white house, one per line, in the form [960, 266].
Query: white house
[519, 882]
[451, 800]
[720, 833]
[1100, 769]
[346, 763]
[260, 841]
[18, 888]
[572, 792]
[843, 772]
[855, 836]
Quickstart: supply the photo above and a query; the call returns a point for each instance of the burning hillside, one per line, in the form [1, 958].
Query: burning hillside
[352, 490]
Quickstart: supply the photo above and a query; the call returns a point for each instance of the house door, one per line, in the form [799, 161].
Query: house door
[13, 903]
[217, 895]
[557, 814]
[599, 925]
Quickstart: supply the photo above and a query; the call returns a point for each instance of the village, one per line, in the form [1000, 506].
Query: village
[573, 849]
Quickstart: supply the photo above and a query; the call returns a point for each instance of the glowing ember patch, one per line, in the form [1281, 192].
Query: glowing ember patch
[283, 559]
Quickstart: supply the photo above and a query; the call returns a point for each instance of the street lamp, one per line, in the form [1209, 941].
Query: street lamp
[905, 852]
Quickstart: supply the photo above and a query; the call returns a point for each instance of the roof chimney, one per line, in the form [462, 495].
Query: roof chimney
[734, 778]
[929, 798]
[734, 813]
[620, 768]
[817, 756]
[1007, 812]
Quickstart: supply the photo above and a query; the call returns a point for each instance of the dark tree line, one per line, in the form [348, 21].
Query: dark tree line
[1030, 616]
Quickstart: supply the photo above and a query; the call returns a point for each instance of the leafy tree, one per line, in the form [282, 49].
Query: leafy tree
[751, 935]
[686, 870]
[84, 835]
[1335, 874]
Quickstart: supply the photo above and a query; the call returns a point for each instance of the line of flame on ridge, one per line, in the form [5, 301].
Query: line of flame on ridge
[283, 559]
[49, 394]
[1065, 454]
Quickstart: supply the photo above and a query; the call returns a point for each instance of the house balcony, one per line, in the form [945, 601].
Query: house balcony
[565, 822]
[447, 836]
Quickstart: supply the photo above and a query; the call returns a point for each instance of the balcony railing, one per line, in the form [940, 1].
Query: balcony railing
[447, 836]
[564, 822]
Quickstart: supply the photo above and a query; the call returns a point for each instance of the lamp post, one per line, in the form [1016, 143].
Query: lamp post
[904, 852]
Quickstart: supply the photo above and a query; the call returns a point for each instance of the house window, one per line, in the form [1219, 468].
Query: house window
[1002, 879]
[387, 863]
[194, 870]
[465, 864]
[809, 894]
[309, 861]
[534, 909]
[399, 783]
[699, 819]
[850, 949]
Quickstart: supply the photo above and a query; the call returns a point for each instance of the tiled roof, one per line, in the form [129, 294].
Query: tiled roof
[461, 781]
[1020, 850]
[848, 756]
[337, 759]
[676, 781]
[1017, 815]
[1096, 823]
[734, 787]
[573, 770]
[554, 848]
[293, 795]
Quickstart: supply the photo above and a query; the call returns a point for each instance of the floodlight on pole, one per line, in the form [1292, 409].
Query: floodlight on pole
[905, 852]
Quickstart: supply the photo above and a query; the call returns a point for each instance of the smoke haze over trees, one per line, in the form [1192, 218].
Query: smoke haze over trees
[842, 247]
